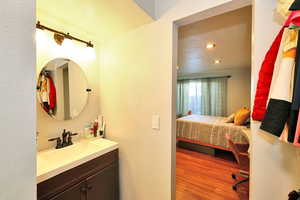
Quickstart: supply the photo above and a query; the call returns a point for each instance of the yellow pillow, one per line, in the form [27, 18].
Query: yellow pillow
[241, 116]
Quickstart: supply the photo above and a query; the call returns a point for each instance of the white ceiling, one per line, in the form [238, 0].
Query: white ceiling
[148, 6]
[155, 8]
[231, 32]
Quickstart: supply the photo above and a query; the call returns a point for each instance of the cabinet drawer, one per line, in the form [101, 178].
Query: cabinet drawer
[58, 184]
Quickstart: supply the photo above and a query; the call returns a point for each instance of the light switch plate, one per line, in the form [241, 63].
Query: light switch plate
[155, 122]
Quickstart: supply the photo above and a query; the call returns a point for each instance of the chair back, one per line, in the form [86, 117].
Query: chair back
[240, 153]
[233, 148]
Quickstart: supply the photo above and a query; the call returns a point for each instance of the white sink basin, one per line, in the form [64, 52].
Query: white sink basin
[55, 161]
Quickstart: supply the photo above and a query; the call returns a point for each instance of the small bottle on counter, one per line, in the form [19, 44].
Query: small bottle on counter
[95, 127]
[87, 131]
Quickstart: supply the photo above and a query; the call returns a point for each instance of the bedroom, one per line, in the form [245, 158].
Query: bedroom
[213, 104]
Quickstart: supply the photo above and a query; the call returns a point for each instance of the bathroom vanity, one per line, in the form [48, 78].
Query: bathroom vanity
[87, 170]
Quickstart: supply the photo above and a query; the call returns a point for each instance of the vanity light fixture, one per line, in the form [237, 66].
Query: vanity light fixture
[60, 36]
[210, 45]
[59, 39]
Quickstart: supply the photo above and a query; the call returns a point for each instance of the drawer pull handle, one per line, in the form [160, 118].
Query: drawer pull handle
[83, 189]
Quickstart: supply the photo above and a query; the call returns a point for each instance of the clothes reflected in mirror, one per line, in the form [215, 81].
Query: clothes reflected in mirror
[62, 89]
[47, 92]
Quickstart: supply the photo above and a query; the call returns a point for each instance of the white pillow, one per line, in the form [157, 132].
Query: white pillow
[230, 118]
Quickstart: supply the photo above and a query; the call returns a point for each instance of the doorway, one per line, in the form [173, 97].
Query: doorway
[213, 85]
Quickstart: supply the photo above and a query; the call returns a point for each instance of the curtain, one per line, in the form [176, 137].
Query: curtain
[205, 96]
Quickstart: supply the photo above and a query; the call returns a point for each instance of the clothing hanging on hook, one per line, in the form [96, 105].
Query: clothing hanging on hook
[47, 92]
[283, 7]
[294, 195]
[46, 72]
[282, 87]
[277, 99]
[295, 5]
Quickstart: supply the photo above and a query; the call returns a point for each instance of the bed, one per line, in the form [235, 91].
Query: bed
[209, 131]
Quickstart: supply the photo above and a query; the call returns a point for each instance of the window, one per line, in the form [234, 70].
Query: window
[205, 96]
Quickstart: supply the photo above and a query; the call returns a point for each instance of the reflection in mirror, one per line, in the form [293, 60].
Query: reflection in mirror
[62, 89]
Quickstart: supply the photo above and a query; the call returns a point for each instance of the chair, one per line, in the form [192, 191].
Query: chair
[240, 152]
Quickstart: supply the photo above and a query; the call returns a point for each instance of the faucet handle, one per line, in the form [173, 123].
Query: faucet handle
[54, 139]
[65, 137]
[58, 142]
[65, 133]
[70, 138]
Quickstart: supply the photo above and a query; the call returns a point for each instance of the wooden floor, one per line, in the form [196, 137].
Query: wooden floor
[203, 177]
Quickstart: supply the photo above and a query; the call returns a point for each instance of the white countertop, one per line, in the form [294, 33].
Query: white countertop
[56, 161]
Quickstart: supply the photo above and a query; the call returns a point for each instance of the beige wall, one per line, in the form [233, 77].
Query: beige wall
[239, 90]
[47, 126]
[102, 19]
[137, 78]
[139, 71]
[239, 86]
[17, 116]
[48, 50]
[93, 20]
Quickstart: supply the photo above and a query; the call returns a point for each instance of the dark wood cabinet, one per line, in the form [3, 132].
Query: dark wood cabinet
[74, 193]
[102, 185]
[97, 179]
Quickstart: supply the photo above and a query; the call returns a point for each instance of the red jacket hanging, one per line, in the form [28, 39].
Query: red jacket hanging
[265, 79]
[52, 94]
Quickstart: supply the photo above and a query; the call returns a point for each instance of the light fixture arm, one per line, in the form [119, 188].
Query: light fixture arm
[66, 35]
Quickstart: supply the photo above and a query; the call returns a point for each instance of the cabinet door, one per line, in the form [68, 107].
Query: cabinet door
[77, 192]
[103, 185]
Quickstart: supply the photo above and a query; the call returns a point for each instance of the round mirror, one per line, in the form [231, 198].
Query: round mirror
[62, 89]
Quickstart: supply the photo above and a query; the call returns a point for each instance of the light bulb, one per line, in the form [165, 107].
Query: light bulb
[210, 45]
[68, 44]
[40, 38]
[89, 54]
[217, 61]
[68, 48]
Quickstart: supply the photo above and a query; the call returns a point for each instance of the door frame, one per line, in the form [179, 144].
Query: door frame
[211, 12]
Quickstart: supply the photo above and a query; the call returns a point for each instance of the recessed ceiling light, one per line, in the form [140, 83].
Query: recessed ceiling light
[210, 45]
[217, 61]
